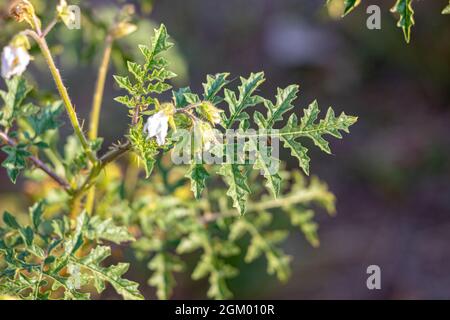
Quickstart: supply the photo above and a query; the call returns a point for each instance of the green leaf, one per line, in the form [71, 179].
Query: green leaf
[213, 86]
[99, 229]
[202, 268]
[264, 243]
[28, 237]
[296, 148]
[124, 83]
[36, 212]
[349, 5]
[198, 175]
[46, 119]
[406, 20]
[18, 90]
[73, 243]
[238, 189]
[146, 149]
[160, 43]
[330, 125]
[218, 272]
[267, 164]
[125, 100]
[446, 9]
[136, 70]
[15, 161]
[164, 266]
[150, 77]
[284, 99]
[246, 99]
[10, 221]
[304, 219]
[158, 87]
[65, 265]
[217, 280]
[278, 263]
[179, 97]
[191, 243]
[112, 274]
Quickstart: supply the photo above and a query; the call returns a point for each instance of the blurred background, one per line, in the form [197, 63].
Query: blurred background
[391, 175]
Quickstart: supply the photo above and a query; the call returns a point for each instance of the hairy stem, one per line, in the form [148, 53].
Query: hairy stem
[62, 91]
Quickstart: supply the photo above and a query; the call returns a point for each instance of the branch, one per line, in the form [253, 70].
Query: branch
[116, 152]
[38, 163]
[302, 196]
[97, 107]
[62, 91]
[99, 89]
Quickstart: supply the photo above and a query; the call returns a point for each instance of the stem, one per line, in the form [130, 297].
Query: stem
[131, 177]
[50, 27]
[135, 118]
[61, 181]
[96, 108]
[100, 86]
[115, 153]
[304, 196]
[38, 283]
[110, 156]
[62, 91]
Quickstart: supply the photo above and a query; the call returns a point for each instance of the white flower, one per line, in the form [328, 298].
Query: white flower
[14, 61]
[157, 126]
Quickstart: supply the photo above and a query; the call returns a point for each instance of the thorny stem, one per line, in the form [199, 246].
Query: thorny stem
[96, 109]
[38, 163]
[135, 118]
[116, 152]
[62, 91]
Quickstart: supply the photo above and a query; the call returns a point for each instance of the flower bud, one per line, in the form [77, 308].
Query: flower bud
[169, 110]
[128, 10]
[182, 121]
[20, 41]
[210, 112]
[122, 29]
[23, 10]
[204, 136]
[123, 26]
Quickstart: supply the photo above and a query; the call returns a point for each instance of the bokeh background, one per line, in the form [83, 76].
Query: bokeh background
[390, 175]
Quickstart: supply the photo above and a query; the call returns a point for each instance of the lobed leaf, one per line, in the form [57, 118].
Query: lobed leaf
[238, 189]
[246, 98]
[349, 5]
[406, 20]
[446, 10]
[164, 265]
[198, 175]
